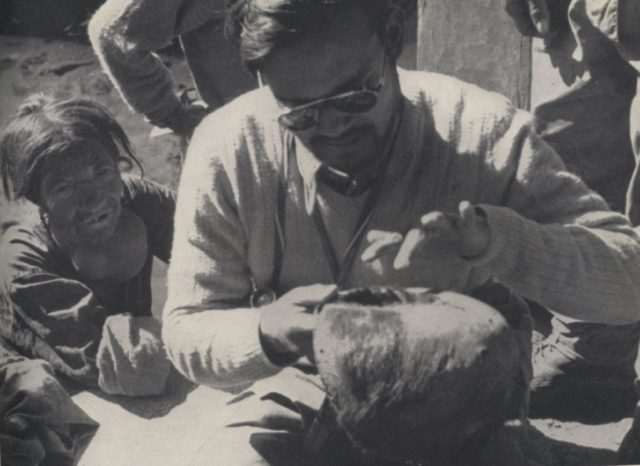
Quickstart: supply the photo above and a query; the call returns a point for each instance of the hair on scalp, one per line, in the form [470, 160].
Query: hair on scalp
[258, 27]
[45, 126]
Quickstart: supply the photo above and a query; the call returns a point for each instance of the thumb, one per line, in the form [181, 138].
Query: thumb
[311, 295]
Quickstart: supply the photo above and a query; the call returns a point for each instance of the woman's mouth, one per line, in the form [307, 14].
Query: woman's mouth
[97, 221]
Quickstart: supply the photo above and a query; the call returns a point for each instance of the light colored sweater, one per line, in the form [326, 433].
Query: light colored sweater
[126, 33]
[553, 240]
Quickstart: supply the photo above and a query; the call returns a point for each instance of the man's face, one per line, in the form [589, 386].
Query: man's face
[80, 193]
[347, 56]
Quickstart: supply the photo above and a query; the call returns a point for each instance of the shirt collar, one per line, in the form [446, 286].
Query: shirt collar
[311, 169]
[308, 166]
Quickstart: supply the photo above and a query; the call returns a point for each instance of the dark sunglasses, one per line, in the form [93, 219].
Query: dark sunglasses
[307, 115]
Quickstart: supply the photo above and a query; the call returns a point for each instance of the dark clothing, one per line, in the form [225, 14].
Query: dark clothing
[57, 315]
[40, 423]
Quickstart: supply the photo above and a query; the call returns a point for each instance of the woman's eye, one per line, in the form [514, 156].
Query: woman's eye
[104, 173]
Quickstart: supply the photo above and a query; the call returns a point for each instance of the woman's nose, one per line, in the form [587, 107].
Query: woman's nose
[332, 122]
[90, 195]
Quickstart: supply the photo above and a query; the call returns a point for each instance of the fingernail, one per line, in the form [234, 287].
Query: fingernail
[400, 264]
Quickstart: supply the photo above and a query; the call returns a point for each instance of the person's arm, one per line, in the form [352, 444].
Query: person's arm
[538, 17]
[125, 34]
[226, 207]
[40, 422]
[56, 319]
[155, 204]
[48, 315]
[550, 239]
[557, 242]
[210, 332]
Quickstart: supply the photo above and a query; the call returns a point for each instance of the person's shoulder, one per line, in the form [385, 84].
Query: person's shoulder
[145, 197]
[444, 92]
[245, 116]
[244, 131]
[452, 103]
[26, 247]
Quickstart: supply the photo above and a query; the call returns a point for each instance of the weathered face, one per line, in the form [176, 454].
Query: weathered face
[347, 56]
[80, 193]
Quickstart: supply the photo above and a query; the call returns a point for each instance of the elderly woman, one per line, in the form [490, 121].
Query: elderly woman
[77, 278]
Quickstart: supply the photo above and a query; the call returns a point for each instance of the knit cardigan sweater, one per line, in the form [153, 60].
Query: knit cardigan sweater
[552, 239]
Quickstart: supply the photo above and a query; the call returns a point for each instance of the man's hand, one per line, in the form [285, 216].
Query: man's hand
[548, 19]
[286, 326]
[184, 119]
[464, 234]
[442, 242]
[531, 17]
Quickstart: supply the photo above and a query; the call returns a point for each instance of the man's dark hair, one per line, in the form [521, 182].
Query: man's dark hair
[45, 126]
[258, 27]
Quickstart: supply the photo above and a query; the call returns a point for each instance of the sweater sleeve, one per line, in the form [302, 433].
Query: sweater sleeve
[210, 334]
[556, 242]
[124, 35]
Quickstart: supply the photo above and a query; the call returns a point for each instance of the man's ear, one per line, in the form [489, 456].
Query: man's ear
[392, 32]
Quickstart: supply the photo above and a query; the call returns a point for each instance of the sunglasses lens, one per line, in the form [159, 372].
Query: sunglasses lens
[356, 102]
[300, 119]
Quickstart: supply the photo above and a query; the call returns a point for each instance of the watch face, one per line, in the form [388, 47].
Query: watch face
[261, 298]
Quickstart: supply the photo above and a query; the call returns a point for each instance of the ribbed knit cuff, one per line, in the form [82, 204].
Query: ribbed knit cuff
[504, 225]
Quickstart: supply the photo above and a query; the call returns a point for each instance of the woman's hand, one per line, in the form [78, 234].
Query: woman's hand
[286, 326]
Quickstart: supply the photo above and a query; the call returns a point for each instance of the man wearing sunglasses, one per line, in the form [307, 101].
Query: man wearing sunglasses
[341, 171]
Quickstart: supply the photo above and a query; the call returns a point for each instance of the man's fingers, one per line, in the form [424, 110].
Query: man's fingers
[540, 18]
[519, 12]
[531, 17]
[436, 220]
[412, 242]
[308, 296]
[376, 235]
[382, 242]
[467, 214]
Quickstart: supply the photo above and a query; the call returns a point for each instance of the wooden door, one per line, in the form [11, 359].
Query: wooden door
[476, 41]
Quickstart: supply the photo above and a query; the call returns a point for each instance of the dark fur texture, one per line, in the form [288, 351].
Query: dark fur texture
[414, 376]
